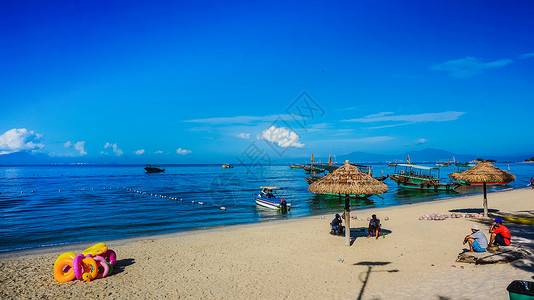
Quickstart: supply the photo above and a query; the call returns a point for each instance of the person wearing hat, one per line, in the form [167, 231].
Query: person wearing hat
[499, 233]
[477, 240]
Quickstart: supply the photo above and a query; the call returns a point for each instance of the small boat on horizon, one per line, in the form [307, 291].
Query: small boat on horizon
[420, 177]
[227, 166]
[268, 198]
[153, 168]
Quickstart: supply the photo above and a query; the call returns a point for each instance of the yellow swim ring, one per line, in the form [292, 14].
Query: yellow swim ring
[70, 255]
[95, 250]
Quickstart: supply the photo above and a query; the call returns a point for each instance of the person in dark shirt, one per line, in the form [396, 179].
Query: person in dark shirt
[374, 227]
[337, 228]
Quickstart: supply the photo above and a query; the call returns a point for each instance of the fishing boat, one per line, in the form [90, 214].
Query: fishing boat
[420, 177]
[227, 166]
[268, 198]
[295, 166]
[153, 169]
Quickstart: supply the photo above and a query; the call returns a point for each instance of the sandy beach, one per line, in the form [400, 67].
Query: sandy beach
[297, 259]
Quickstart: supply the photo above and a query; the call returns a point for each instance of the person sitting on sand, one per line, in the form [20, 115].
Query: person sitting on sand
[374, 227]
[499, 233]
[477, 240]
[337, 228]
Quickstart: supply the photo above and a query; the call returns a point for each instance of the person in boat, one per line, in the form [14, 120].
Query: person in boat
[500, 235]
[477, 240]
[374, 227]
[337, 228]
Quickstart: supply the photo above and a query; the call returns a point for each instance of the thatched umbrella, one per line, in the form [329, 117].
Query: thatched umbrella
[485, 172]
[348, 180]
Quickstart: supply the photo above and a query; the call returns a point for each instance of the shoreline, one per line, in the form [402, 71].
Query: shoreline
[298, 259]
[123, 241]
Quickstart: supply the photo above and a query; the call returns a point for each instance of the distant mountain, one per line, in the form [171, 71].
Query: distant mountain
[24, 158]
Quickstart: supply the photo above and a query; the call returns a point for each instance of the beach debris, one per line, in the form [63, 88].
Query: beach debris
[386, 218]
[440, 217]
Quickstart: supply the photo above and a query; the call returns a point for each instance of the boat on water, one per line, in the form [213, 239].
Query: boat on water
[296, 166]
[440, 165]
[268, 198]
[153, 168]
[420, 177]
[227, 166]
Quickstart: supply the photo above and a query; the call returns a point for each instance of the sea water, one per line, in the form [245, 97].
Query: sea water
[45, 206]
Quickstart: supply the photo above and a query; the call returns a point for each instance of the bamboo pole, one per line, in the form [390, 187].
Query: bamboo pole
[347, 220]
[485, 201]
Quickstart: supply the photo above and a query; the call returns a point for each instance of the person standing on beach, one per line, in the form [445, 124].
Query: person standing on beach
[477, 240]
[531, 183]
[499, 233]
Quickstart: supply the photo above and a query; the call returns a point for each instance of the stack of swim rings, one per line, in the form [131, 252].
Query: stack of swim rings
[96, 261]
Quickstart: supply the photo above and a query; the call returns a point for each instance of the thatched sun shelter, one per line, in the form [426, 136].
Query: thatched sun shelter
[348, 181]
[485, 173]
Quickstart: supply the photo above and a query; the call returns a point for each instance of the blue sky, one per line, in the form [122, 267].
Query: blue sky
[201, 81]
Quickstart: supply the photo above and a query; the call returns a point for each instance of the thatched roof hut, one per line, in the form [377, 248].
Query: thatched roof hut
[348, 180]
[485, 172]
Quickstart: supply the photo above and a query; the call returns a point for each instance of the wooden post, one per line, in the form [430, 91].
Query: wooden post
[485, 202]
[347, 220]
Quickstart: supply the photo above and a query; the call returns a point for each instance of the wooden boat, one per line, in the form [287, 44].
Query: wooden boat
[227, 166]
[420, 177]
[312, 168]
[153, 169]
[440, 165]
[382, 178]
[268, 198]
[295, 166]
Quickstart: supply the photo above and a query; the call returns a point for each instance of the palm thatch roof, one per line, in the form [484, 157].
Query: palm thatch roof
[348, 180]
[485, 172]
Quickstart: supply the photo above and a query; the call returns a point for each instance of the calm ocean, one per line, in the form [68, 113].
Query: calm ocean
[45, 206]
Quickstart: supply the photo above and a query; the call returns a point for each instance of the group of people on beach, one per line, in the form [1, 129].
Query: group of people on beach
[499, 235]
[374, 228]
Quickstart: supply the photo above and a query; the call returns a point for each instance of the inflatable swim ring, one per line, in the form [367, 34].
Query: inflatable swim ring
[77, 266]
[90, 269]
[110, 256]
[95, 250]
[101, 262]
[70, 255]
[63, 270]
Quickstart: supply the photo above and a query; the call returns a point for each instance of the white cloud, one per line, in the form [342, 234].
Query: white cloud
[16, 140]
[410, 119]
[281, 136]
[115, 148]
[67, 144]
[420, 141]
[80, 147]
[244, 136]
[159, 152]
[469, 66]
[183, 151]
[140, 151]
[526, 55]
